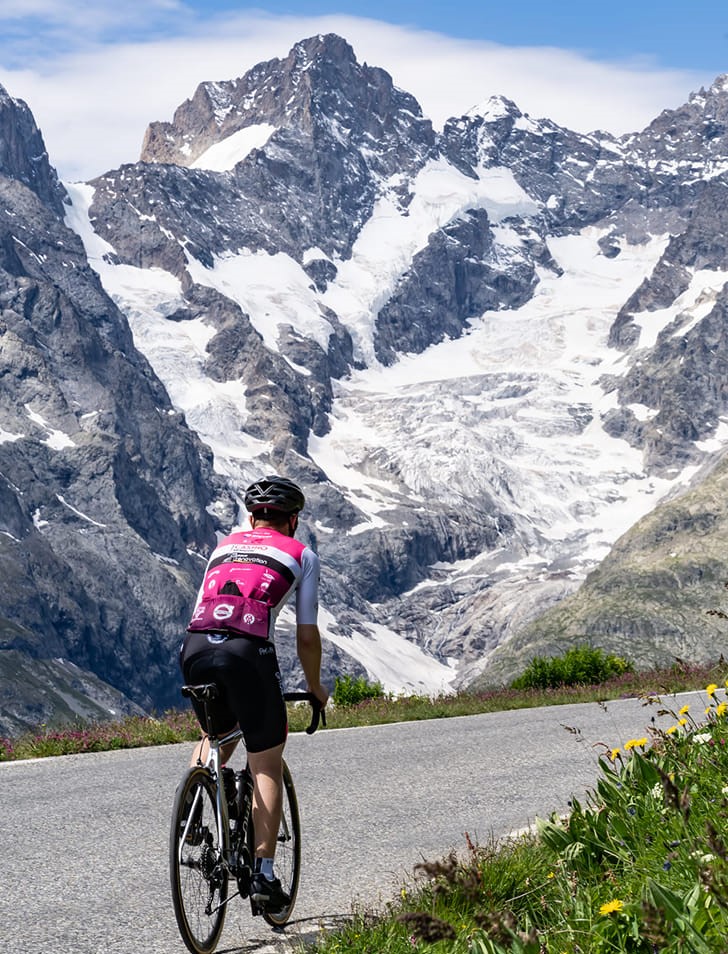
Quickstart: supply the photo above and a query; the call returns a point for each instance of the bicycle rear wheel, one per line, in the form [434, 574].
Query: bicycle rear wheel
[288, 851]
[199, 877]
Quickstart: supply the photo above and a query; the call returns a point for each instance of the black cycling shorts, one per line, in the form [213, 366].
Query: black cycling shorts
[245, 670]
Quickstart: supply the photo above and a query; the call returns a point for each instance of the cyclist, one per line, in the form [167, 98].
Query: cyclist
[249, 577]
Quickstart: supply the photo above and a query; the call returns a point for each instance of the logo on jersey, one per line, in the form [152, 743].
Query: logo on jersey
[236, 614]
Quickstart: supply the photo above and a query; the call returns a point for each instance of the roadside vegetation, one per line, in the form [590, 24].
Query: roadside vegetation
[582, 675]
[639, 865]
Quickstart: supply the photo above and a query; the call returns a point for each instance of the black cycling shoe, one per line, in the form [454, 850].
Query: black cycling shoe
[269, 894]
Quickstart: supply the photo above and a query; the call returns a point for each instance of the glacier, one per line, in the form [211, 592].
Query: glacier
[519, 393]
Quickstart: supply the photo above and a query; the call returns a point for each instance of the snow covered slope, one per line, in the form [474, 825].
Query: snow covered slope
[441, 337]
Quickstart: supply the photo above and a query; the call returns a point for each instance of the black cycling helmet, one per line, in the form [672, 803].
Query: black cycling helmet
[274, 493]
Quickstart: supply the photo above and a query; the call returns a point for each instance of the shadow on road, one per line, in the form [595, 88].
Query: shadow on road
[298, 933]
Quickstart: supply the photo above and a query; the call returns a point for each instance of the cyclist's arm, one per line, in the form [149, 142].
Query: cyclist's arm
[308, 646]
[308, 637]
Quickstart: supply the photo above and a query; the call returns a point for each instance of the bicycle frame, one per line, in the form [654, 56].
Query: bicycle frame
[206, 855]
[215, 743]
[215, 768]
[222, 815]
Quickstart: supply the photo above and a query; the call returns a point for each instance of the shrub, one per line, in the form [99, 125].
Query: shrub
[349, 691]
[581, 665]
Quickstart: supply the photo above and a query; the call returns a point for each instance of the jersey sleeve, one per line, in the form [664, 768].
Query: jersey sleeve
[307, 589]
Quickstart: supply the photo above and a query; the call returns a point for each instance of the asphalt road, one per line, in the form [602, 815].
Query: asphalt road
[83, 839]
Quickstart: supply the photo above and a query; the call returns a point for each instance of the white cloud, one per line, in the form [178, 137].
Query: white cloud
[94, 102]
[92, 16]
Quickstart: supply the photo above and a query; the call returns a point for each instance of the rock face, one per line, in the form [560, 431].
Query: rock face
[337, 130]
[23, 155]
[484, 352]
[663, 585]
[104, 488]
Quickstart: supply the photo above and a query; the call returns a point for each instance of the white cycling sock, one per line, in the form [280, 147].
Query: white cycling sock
[265, 867]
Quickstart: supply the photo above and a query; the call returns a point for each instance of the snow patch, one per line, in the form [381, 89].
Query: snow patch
[77, 219]
[717, 441]
[493, 109]
[79, 513]
[390, 239]
[314, 254]
[642, 412]
[56, 440]
[273, 290]
[223, 156]
[401, 666]
[694, 304]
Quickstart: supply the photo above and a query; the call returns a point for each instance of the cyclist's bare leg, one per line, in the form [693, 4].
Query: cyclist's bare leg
[202, 749]
[267, 770]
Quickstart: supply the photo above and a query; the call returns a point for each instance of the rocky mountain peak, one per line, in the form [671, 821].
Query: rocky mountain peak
[714, 96]
[694, 135]
[312, 141]
[318, 90]
[495, 108]
[23, 153]
[321, 54]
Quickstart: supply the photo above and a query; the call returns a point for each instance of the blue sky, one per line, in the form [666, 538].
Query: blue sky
[679, 34]
[96, 73]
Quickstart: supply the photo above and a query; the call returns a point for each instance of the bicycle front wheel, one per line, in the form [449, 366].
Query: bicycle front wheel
[198, 873]
[288, 851]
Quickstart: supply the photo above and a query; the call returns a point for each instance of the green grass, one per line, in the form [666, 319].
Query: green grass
[181, 726]
[580, 665]
[130, 733]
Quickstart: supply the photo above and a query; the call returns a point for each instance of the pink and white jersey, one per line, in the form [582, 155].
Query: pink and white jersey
[266, 566]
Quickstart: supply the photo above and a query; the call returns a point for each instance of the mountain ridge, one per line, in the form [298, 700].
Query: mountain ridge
[486, 353]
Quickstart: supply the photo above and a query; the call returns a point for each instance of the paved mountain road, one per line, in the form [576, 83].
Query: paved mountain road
[84, 838]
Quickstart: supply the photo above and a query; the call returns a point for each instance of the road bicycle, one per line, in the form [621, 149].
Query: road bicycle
[212, 843]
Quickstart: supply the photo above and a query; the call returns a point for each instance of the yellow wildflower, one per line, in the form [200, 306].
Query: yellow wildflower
[611, 906]
[684, 710]
[635, 744]
[673, 728]
[613, 754]
[682, 721]
[711, 689]
[721, 709]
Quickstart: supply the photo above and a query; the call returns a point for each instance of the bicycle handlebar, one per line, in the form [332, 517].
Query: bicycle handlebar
[208, 691]
[317, 710]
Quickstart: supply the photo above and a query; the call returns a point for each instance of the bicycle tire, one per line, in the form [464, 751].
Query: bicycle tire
[288, 851]
[198, 875]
